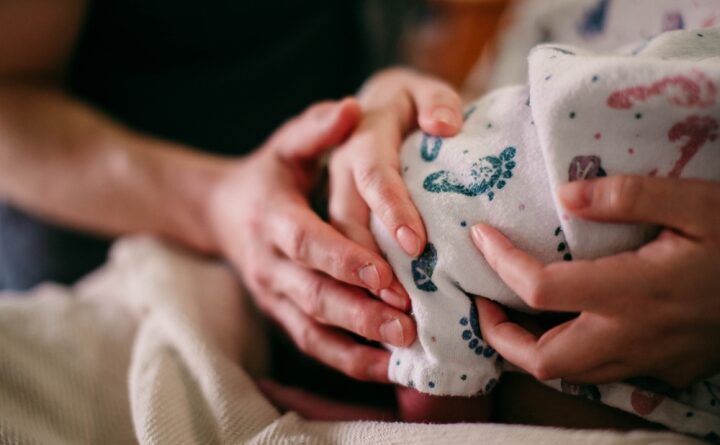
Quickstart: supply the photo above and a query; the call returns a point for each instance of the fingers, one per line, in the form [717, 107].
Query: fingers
[439, 107]
[348, 212]
[686, 205]
[328, 346]
[350, 308]
[350, 216]
[570, 348]
[364, 173]
[597, 285]
[317, 129]
[384, 191]
[304, 238]
[415, 98]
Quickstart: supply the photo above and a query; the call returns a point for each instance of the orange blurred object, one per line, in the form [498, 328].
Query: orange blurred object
[449, 41]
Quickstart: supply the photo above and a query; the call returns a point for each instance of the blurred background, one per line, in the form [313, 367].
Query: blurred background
[447, 37]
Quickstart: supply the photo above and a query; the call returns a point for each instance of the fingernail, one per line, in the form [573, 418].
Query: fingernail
[391, 332]
[378, 371]
[391, 297]
[576, 195]
[409, 241]
[445, 115]
[369, 275]
[477, 236]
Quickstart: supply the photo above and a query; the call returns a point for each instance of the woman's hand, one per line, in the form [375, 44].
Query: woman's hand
[301, 271]
[651, 312]
[364, 172]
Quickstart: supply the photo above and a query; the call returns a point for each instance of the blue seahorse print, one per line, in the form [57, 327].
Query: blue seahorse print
[423, 268]
[430, 147]
[485, 175]
[594, 21]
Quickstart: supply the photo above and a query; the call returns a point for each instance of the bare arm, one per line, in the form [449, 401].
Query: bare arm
[63, 160]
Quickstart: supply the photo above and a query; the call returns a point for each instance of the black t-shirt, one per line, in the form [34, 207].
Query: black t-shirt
[219, 75]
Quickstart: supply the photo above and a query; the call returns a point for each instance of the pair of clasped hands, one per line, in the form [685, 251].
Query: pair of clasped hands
[651, 312]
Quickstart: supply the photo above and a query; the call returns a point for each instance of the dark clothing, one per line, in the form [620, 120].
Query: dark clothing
[219, 75]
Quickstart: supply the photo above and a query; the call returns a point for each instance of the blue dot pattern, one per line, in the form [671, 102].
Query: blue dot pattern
[472, 335]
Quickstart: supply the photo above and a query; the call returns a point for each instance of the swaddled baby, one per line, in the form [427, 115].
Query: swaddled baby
[653, 111]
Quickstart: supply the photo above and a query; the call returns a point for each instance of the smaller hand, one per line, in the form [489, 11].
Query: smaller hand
[301, 271]
[365, 170]
[651, 312]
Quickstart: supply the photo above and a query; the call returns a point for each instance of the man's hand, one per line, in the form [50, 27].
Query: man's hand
[302, 272]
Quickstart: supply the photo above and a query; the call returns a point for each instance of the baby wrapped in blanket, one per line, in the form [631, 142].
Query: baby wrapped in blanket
[652, 109]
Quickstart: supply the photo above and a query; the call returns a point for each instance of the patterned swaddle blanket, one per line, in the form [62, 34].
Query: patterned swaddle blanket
[651, 109]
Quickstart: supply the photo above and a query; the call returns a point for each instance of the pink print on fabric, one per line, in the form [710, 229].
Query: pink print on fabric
[698, 130]
[695, 90]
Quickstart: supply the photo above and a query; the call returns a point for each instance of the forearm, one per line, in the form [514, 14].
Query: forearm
[64, 161]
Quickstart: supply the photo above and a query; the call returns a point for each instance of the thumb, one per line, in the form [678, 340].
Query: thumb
[317, 129]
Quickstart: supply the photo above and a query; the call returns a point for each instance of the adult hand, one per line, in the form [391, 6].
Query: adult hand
[302, 272]
[364, 172]
[650, 312]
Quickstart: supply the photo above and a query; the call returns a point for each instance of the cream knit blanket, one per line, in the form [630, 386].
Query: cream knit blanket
[157, 347]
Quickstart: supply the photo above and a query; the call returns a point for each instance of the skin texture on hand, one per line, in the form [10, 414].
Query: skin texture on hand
[365, 170]
[302, 272]
[650, 312]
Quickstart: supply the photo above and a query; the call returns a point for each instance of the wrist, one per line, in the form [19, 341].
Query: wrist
[186, 181]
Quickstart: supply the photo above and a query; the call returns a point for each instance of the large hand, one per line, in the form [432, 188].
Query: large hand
[652, 312]
[365, 171]
[303, 272]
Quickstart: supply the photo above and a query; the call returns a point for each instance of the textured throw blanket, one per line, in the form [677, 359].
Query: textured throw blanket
[158, 347]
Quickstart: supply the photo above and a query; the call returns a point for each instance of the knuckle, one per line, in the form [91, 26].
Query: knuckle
[623, 194]
[255, 218]
[254, 275]
[542, 371]
[264, 303]
[369, 176]
[306, 338]
[362, 321]
[344, 262]
[297, 238]
[537, 294]
[315, 298]
[383, 197]
[355, 365]
[261, 278]
[443, 94]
